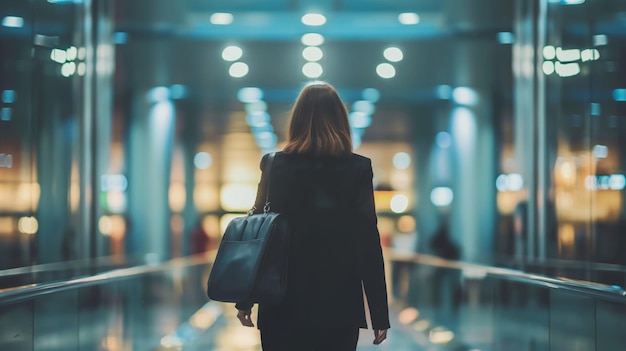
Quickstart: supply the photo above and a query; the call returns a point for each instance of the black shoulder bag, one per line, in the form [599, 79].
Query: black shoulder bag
[251, 261]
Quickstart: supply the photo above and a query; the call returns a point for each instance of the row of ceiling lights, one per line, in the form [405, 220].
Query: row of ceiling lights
[312, 53]
[312, 19]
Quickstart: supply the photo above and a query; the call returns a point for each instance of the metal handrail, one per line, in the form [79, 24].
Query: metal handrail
[67, 265]
[561, 263]
[31, 291]
[603, 291]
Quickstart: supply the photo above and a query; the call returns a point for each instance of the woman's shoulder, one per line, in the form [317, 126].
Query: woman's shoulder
[352, 158]
[361, 160]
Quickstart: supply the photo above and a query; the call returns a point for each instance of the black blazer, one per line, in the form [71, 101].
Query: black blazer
[335, 246]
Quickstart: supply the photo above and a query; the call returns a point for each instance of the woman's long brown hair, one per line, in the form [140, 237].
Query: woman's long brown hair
[319, 122]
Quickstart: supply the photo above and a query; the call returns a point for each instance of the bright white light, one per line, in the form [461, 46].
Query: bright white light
[312, 53]
[28, 225]
[256, 106]
[202, 160]
[409, 18]
[443, 139]
[509, 182]
[359, 120]
[68, 69]
[549, 52]
[567, 55]
[465, 96]
[572, 2]
[441, 196]
[258, 119]
[464, 129]
[13, 22]
[232, 53]
[393, 54]
[221, 18]
[371, 94]
[82, 53]
[249, 94]
[600, 39]
[506, 38]
[548, 67]
[567, 69]
[81, 69]
[600, 151]
[238, 70]
[312, 39]
[363, 106]
[386, 70]
[501, 183]
[314, 19]
[399, 203]
[514, 182]
[157, 94]
[589, 55]
[617, 182]
[58, 55]
[113, 182]
[401, 160]
[312, 69]
[237, 197]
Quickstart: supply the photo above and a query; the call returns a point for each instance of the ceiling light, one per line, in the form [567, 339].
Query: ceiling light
[371, 94]
[401, 160]
[409, 18]
[312, 53]
[221, 18]
[548, 67]
[238, 70]
[312, 69]
[312, 39]
[232, 53]
[386, 70]
[13, 22]
[58, 55]
[506, 38]
[393, 54]
[313, 19]
[249, 94]
[465, 96]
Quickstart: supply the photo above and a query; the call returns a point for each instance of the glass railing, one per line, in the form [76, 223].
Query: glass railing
[461, 306]
[158, 306]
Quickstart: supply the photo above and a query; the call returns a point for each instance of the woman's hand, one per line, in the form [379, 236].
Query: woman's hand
[380, 336]
[244, 318]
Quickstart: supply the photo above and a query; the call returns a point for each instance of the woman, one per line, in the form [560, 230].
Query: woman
[326, 193]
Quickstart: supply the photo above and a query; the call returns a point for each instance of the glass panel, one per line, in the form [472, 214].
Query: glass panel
[572, 328]
[610, 326]
[18, 188]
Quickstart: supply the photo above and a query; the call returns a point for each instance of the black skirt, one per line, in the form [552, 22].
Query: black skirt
[309, 339]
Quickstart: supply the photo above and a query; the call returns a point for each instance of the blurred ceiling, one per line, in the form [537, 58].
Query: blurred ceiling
[356, 33]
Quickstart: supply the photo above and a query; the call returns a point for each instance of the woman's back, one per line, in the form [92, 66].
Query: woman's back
[328, 201]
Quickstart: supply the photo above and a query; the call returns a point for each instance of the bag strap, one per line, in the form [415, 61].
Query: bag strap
[266, 174]
[270, 162]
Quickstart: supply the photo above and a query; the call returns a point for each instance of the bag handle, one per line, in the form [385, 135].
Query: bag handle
[266, 207]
